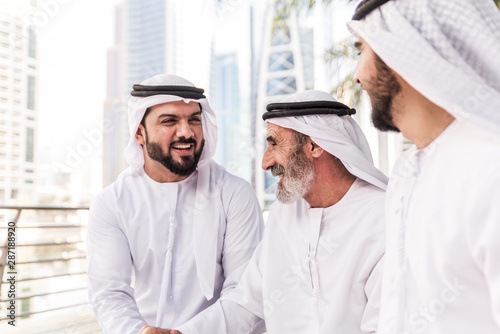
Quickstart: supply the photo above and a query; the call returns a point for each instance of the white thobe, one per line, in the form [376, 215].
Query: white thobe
[131, 225]
[442, 264]
[315, 271]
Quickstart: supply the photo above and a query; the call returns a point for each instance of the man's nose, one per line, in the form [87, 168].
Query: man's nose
[267, 160]
[184, 130]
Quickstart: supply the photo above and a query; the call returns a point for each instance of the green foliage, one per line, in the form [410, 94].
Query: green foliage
[343, 57]
[344, 49]
[285, 7]
[498, 3]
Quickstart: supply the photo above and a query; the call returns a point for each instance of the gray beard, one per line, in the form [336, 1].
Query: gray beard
[296, 180]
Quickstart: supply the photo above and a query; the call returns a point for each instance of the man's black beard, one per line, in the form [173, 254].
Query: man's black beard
[383, 90]
[189, 163]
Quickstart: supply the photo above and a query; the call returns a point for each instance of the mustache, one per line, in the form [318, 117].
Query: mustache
[183, 140]
[277, 170]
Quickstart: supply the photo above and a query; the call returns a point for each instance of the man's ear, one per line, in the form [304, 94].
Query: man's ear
[314, 149]
[140, 135]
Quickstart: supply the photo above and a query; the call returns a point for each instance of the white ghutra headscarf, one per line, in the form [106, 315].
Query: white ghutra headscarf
[338, 135]
[448, 50]
[137, 107]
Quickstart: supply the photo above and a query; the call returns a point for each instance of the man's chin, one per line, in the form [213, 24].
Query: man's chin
[383, 122]
[184, 166]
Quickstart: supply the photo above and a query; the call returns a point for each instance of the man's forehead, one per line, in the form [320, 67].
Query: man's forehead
[276, 129]
[276, 132]
[177, 106]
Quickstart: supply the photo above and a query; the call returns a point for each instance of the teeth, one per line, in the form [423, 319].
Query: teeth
[183, 146]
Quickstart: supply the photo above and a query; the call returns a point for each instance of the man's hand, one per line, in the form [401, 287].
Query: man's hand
[155, 330]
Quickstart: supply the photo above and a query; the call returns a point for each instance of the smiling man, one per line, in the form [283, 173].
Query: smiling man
[432, 71]
[175, 230]
[316, 269]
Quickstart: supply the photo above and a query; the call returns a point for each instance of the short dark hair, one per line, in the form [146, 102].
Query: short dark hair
[143, 120]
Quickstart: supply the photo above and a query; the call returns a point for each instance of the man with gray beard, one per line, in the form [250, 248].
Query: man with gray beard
[317, 267]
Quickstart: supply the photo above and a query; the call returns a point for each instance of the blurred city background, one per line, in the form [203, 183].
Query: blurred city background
[66, 71]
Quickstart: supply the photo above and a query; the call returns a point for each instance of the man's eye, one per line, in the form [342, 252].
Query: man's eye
[196, 119]
[168, 121]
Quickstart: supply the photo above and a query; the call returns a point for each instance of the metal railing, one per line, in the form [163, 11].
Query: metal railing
[49, 248]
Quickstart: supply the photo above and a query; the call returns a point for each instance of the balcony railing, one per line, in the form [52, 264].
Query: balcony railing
[48, 247]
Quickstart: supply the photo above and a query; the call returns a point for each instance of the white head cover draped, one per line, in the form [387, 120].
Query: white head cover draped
[449, 51]
[206, 215]
[137, 107]
[339, 136]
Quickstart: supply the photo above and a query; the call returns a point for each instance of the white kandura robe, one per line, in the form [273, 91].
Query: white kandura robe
[442, 263]
[130, 225]
[315, 271]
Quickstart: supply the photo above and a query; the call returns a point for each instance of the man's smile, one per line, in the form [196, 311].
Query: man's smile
[183, 147]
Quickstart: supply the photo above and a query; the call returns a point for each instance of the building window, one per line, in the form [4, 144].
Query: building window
[281, 61]
[32, 42]
[28, 181]
[31, 93]
[13, 194]
[29, 171]
[30, 140]
[33, 3]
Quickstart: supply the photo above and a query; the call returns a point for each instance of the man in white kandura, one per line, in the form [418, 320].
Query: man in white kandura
[432, 70]
[174, 223]
[316, 269]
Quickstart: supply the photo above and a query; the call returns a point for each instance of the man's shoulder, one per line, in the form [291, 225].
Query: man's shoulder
[466, 141]
[465, 149]
[230, 182]
[123, 184]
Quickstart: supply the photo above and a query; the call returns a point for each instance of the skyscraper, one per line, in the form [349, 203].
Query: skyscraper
[18, 102]
[231, 86]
